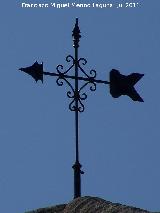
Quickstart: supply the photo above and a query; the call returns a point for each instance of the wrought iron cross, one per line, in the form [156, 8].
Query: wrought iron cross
[119, 85]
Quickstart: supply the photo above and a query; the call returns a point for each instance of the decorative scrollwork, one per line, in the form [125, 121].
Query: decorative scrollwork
[59, 67]
[70, 95]
[83, 96]
[59, 81]
[84, 62]
[92, 76]
[93, 87]
[70, 85]
[69, 57]
[84, 86]
[72, 106]
[77, 96]
[81, 107]
[93, 73]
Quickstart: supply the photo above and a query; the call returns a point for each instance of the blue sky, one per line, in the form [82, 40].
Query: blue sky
[119, 138]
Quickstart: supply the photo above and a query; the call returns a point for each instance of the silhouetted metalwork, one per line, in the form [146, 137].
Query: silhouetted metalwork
[119, 85]
[36, 71]
[124, 85]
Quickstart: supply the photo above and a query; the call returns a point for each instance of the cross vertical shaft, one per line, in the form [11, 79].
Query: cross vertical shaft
[77, 166]
[76, 94]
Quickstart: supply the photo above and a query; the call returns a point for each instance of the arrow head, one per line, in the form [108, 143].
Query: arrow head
[36, 71]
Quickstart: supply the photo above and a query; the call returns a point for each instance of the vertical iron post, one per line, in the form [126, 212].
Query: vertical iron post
[77, 166]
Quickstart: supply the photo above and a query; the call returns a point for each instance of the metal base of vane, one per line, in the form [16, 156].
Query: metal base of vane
[77, 179]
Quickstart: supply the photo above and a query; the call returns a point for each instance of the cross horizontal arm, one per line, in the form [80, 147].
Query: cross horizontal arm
[90, 79]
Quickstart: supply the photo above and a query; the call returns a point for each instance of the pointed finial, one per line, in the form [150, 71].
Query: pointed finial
[76, 34]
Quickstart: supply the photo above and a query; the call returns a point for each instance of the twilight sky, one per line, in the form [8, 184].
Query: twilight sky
[119, 138]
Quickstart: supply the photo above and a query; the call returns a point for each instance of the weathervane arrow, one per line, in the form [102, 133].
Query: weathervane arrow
[124, 85]
[119, 85]
[36, 71]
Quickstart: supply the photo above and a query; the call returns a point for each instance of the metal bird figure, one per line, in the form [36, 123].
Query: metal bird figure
[36, 71]
[124, 85]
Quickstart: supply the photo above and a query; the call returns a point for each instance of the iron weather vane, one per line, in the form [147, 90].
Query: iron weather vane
[119, 85]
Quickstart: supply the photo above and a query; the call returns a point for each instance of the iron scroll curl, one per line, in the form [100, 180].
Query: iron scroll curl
[71, 94]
